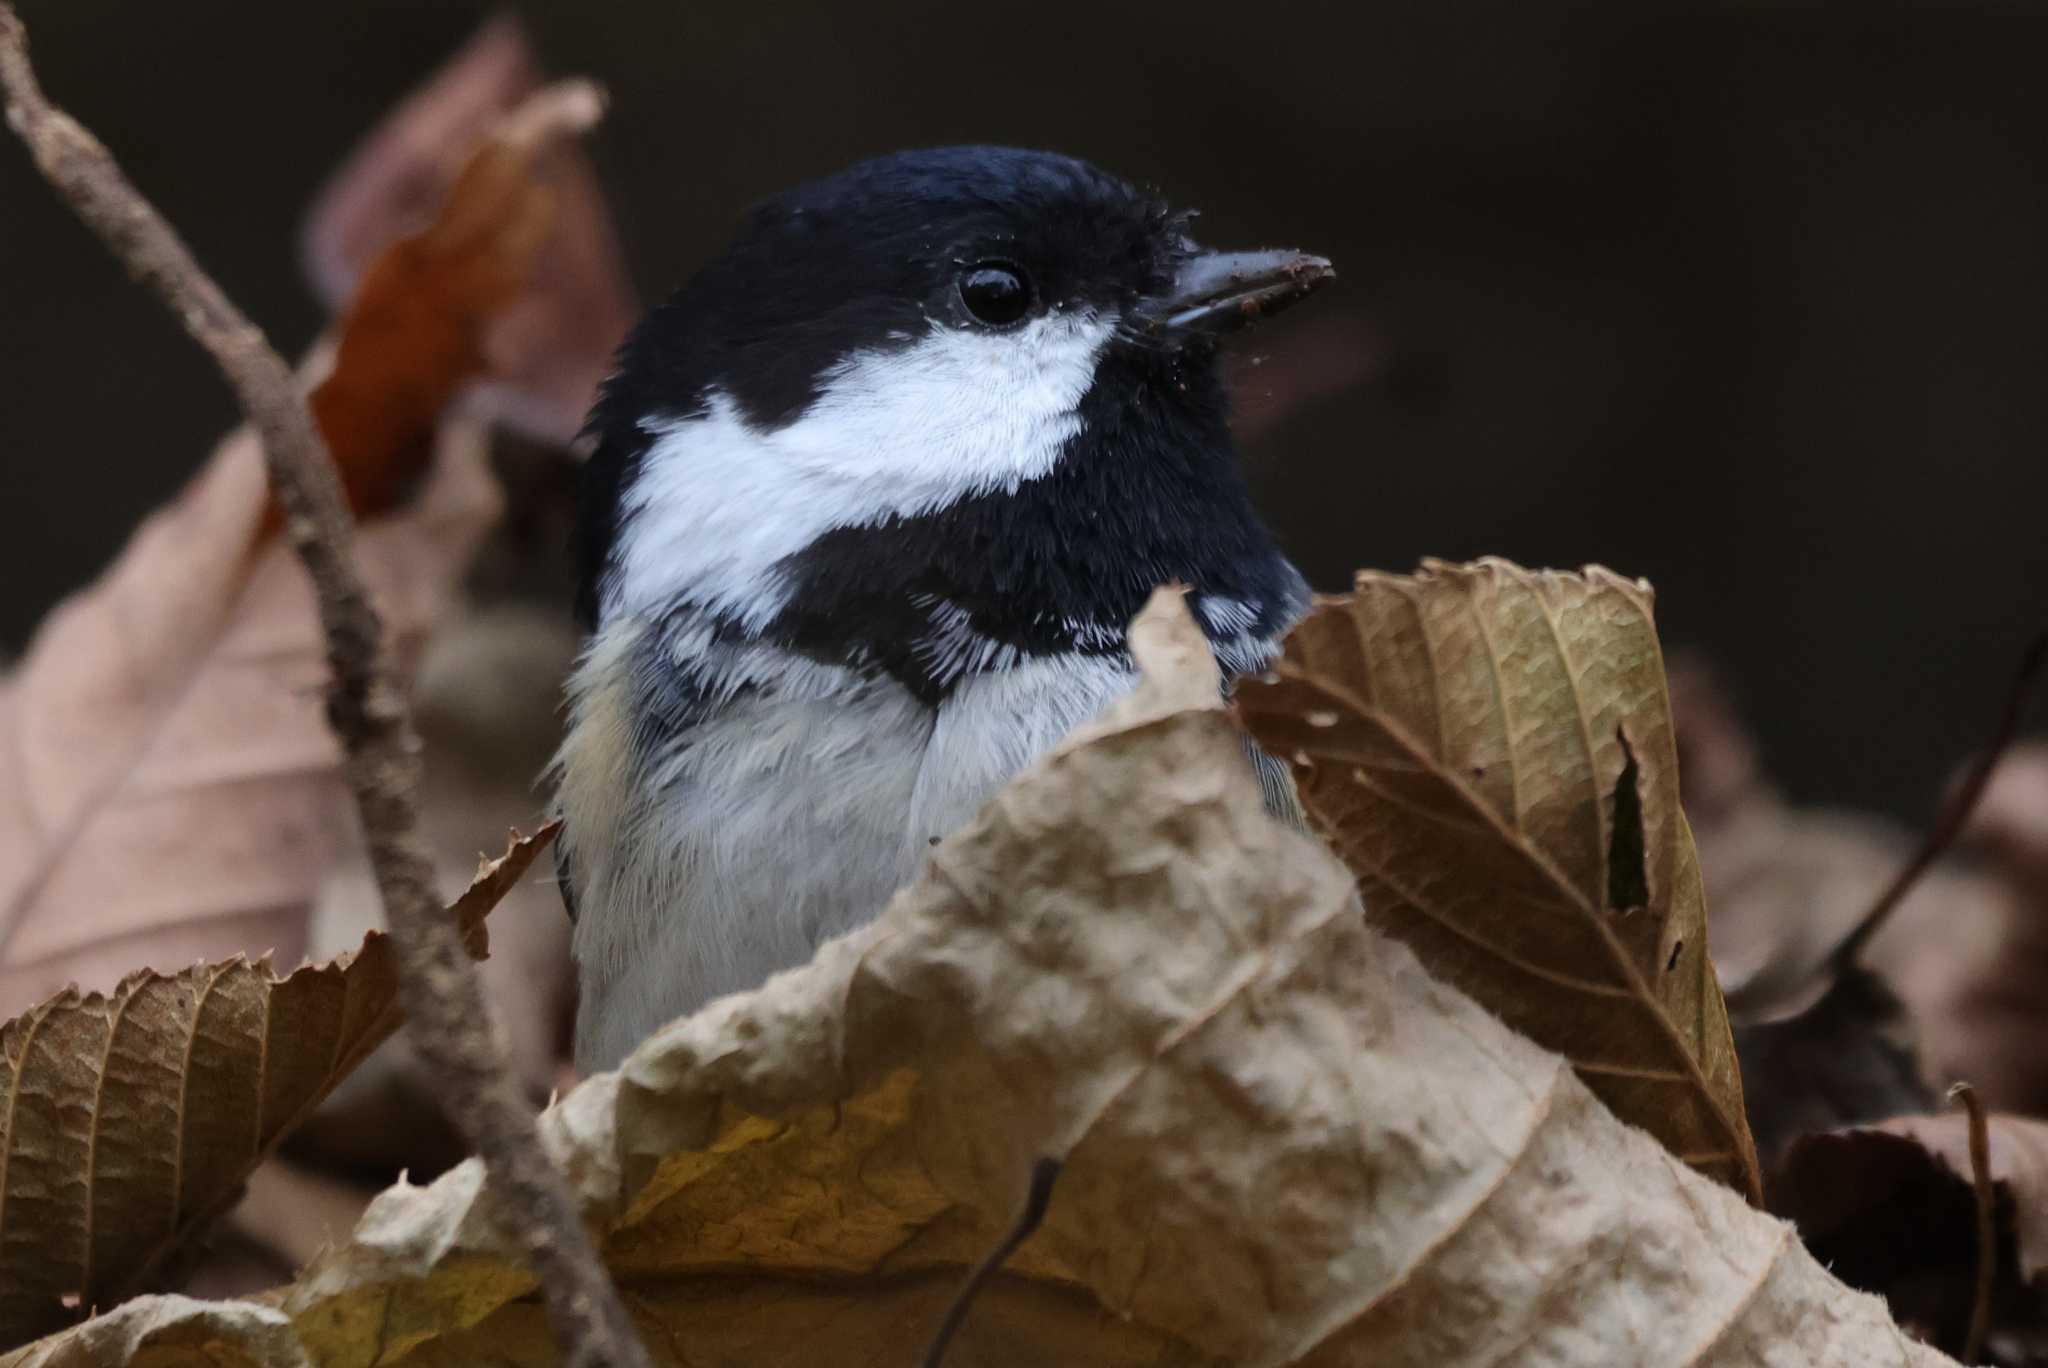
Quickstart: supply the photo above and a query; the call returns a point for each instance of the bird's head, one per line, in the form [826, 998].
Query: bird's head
[971, 376]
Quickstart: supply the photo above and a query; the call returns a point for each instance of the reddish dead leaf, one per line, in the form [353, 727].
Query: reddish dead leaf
[548, 346]
[169, 792]
[395, 180]
[415, 332]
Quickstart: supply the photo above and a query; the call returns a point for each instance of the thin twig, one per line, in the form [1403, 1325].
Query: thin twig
[1044, 1174]
[437, 984]
[1955, 814]
[1987, 1232]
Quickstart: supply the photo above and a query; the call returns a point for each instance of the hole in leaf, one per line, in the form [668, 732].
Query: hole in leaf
[1677, 949]
[1628, 876]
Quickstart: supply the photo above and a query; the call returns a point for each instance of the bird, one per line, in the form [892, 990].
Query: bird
[869, 505]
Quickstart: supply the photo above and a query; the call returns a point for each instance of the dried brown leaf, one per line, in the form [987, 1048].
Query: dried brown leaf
[169, 789]
[1994, 1022]
[1849, 1056]
[1284, 1142]
[416, 330]
[1963, 954]
[130, 1119]
[550, 344]
[2019, 1163]
[1490, 750]
[1891, 1207]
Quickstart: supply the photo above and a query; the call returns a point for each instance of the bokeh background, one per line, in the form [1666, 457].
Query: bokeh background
[1747, 299]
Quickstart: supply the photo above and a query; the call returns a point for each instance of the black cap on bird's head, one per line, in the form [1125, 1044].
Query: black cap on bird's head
[974, 377]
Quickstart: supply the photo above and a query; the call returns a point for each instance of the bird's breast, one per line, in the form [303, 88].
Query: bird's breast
[715, 838]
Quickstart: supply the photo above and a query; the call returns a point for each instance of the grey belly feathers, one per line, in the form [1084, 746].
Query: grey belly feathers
[729, 806]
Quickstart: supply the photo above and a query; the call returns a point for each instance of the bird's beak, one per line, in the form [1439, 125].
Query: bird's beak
[1220, 292]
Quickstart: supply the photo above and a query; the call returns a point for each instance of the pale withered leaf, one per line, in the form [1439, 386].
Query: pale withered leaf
[174, 1332]
[170, 791]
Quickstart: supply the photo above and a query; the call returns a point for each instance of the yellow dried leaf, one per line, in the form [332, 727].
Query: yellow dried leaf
[129, 1119]
[1284, 1142]
[1490, 750]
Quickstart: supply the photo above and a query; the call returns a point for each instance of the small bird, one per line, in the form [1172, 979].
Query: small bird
[872, 501]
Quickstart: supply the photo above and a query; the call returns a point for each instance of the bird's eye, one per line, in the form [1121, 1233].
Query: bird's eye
[995, 292]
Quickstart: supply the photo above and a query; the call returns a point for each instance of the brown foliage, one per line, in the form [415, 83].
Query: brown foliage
[132, 1117]
[414, 333]
[1491, 751]
[1891, 1206]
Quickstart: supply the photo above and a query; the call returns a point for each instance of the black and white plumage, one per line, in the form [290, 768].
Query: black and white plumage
[873, 500]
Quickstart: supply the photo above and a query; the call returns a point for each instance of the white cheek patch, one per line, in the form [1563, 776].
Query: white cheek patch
[717, 503]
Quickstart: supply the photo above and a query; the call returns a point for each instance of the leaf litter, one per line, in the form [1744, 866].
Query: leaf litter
[1283, 1141]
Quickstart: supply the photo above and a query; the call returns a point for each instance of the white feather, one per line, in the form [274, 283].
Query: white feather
[718, 504]
[995, 724]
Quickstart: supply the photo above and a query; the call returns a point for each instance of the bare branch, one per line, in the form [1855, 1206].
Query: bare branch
[437, 985]
[1987, 1226]
[1044, 1174]
[1955, 814]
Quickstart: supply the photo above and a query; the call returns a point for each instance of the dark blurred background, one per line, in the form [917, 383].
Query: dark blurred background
[1745, 299]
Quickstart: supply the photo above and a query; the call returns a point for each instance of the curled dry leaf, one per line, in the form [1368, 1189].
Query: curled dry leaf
[415, 332]
[546, 348]
[1490, 750]
[132, 1118]
[1284, 1143]
[1891, 1208]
